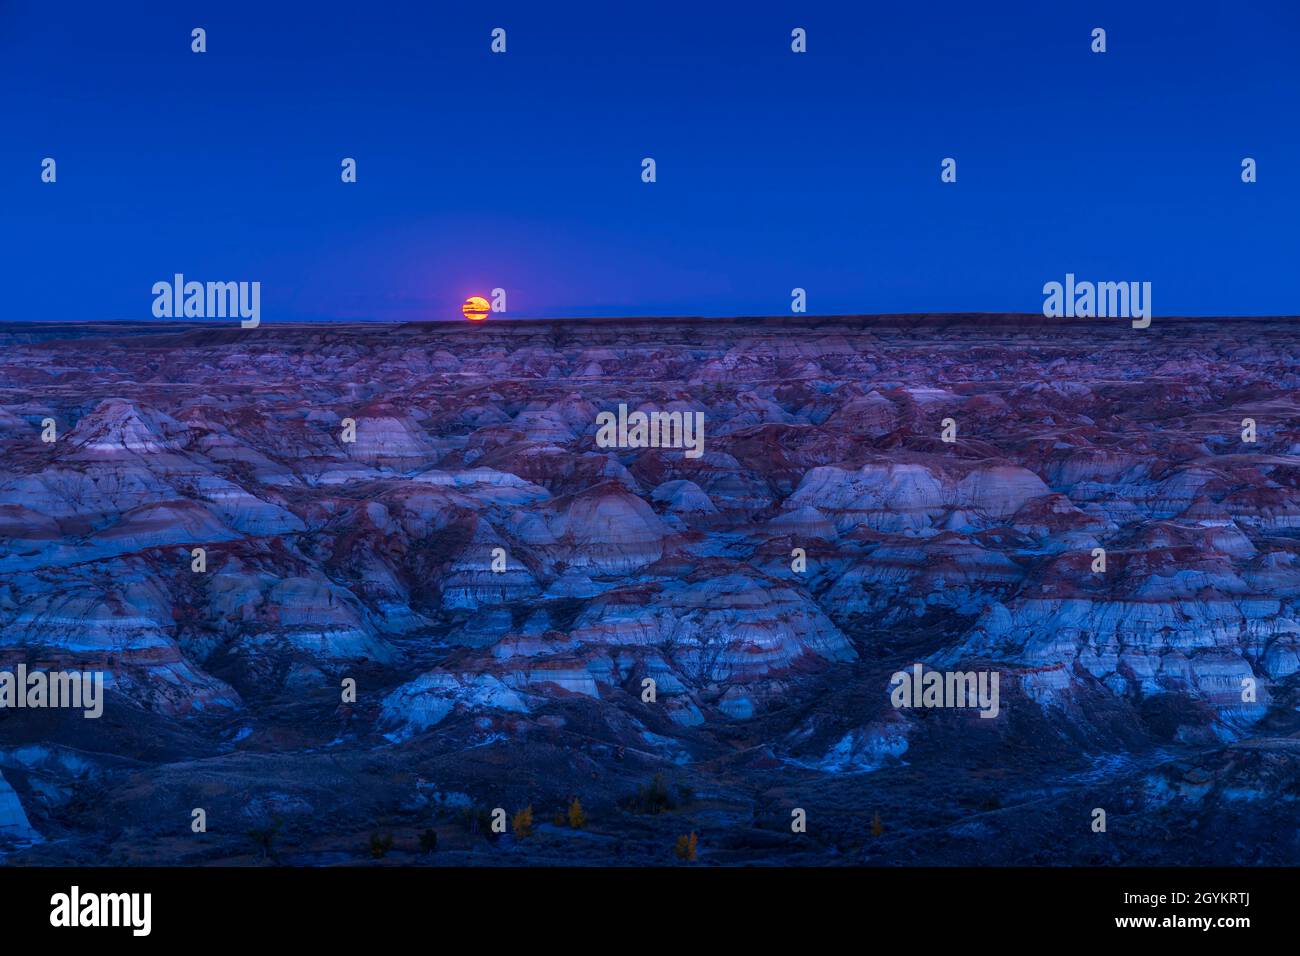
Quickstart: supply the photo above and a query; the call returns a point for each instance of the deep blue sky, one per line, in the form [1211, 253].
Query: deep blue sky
[523, 170]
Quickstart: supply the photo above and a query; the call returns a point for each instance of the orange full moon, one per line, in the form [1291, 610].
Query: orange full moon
[476, 308]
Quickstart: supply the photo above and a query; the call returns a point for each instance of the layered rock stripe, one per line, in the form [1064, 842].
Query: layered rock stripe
[372, 560]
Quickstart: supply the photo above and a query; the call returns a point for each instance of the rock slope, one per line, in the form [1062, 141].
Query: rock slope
[234, 526]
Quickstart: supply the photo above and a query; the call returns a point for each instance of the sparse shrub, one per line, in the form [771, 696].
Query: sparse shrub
[428, 841]
[558, 819]
[522, 822]
[685, 848]
[478, 820]
[380, 844]
[656, 797]
[264, 839]
[577, 816]
[877, 827]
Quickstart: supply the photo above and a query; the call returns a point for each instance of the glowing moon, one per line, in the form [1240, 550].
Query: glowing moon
[476, 308]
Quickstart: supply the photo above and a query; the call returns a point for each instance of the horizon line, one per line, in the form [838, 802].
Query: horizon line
[1036, 317]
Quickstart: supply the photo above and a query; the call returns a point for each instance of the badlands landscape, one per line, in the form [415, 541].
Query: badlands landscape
[672, 655]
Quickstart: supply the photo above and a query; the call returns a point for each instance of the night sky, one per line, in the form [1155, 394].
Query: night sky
[523, 170]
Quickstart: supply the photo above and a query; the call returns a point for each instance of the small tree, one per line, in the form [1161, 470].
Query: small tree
[685, 848]
[522, 822]
[380, 845]
[265, 840]
[877, 827]
[477, 820]
[428, 841]
[577, 816]
[654, 797]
